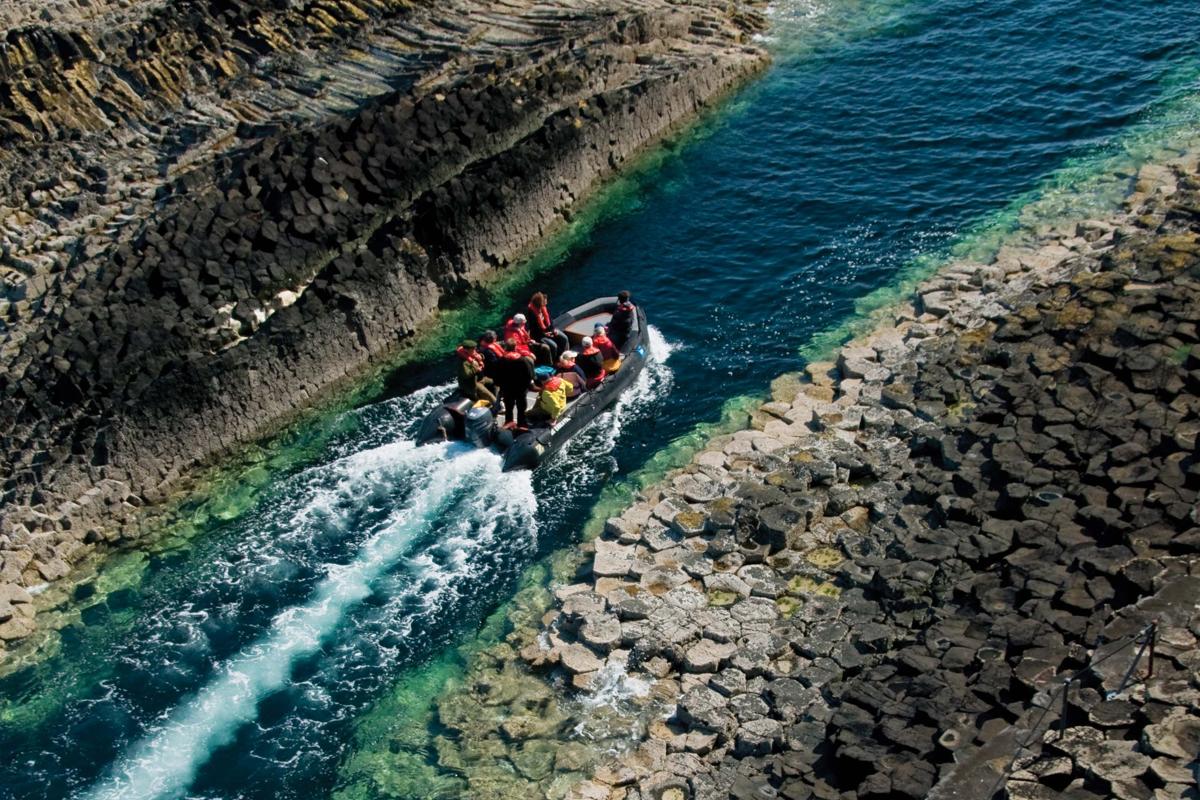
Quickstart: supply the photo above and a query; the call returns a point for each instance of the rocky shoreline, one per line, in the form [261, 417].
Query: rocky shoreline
[194, 247]
[881, 588]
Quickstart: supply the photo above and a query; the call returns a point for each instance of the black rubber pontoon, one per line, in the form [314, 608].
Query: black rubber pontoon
[457, 419]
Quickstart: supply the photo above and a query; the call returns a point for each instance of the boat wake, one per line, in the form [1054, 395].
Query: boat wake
[226, 670]
[407, 566]
[590, 455]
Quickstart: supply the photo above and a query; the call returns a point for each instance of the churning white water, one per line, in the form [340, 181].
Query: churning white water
[454, 484]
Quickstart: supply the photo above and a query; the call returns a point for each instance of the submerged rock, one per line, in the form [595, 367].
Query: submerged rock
[923, 540]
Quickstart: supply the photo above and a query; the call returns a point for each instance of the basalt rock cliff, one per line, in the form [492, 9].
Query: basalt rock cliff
[213, 210]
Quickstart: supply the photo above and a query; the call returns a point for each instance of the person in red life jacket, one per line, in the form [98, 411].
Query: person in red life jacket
[492, 351]
[621, 324]
[472, 383]
[605, 344]
[514, 373]
[592, 363]
[490, 347]
[541, 325]
[515, 329]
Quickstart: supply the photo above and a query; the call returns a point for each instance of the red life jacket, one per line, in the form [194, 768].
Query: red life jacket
[513, 356]
[606, 346]
[595, 380]
[552, 383]
[518, 333]
[496, 348]
[542, 315]
[622, 321]
[474, 358]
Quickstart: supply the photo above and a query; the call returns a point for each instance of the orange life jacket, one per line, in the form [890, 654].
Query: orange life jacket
[518, 333]
[475, 358]
[605, 346]
[542, 315]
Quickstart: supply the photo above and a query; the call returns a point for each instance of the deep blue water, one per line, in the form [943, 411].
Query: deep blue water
[235, 662]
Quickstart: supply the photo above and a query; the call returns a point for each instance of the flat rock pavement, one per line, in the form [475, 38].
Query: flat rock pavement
[880, 588]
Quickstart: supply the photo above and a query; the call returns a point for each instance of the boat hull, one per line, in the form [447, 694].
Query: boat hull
[530, 449]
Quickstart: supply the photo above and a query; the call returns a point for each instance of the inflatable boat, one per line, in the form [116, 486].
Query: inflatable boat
[459, 418]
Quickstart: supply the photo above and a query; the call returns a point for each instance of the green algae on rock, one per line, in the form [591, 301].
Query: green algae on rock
[839, 566]
[285, 243]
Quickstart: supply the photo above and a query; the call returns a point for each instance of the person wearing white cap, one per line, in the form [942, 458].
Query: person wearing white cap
[515, 329]
[566, 366]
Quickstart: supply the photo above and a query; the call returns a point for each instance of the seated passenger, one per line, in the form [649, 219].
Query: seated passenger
[621, 324]
[491, 349]
[566, 364]
[471, 380]
[541, 325]
[592, 363]
[515, 329]
[576, 383]
[606, 346]
[551, 399]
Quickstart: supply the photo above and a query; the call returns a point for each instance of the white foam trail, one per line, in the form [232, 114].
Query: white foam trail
[164, 763]
[385, 420]
[589, 453]
[654, 382]
[614, 685]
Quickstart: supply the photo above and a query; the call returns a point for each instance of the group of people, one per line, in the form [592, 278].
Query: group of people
[533, 353]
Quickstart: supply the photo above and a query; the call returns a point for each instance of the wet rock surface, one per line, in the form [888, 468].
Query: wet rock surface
[881, 589]
[211, 213]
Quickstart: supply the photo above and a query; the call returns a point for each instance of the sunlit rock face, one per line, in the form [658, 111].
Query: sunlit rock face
[214, 211]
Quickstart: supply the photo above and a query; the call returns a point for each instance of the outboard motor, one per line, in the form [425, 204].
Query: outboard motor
[445, 422]
[480, 424]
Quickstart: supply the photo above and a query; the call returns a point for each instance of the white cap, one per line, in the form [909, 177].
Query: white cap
[587, 341]
[518, 317]
[570, 354]
[600, 328]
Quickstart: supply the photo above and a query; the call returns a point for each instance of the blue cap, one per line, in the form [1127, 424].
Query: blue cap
[543, 372]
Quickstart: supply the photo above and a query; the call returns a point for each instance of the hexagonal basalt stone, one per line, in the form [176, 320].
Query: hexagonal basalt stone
[762, 580]
[758, 737]
[707, 655]
[755, 609]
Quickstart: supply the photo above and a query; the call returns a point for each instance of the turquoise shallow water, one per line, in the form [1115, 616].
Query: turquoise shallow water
[237, 661]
